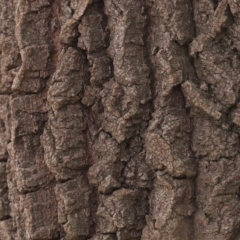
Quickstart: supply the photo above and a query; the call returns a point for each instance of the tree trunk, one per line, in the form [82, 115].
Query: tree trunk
[119, 120]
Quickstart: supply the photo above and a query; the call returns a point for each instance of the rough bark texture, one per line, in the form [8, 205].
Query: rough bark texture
[119, 119]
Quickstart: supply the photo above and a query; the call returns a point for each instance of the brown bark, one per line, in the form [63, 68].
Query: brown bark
[119, 120]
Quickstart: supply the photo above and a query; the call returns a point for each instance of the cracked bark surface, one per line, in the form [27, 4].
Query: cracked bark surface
[119, 120]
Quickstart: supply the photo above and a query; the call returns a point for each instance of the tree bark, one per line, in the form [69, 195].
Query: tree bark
[119, 119]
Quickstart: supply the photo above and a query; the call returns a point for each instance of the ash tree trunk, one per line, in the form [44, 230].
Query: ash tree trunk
[119, 120]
